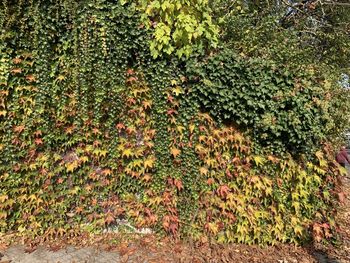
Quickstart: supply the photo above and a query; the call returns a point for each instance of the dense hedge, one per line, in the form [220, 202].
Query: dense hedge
[94, 130]
[286, 108]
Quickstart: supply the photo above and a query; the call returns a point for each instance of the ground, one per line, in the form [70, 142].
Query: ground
[150, 250]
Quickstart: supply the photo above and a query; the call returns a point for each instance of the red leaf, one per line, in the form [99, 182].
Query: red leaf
[223, 191]
[38, 141]
[130, 71]
[178, 184]
[170, 181]
[171, 111]
[173, 228]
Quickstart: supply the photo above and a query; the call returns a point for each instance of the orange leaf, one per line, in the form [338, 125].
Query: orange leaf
[131, 79]
[175, 152]
[147, 177]
[19, 129]
[166, 222]
[30, 78]
[16, 70]
[203, 171]
[109, 218]
[17, 60]
[96, 131]
[120, 126]
[147, 104]
[38, 133]
[131, 101]
[210, 181]
[107, 172]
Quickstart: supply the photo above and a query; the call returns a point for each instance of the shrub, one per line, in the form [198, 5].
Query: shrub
[284, 109]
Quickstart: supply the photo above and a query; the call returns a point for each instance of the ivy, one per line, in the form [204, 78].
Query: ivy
[284, 108]
[97, 128]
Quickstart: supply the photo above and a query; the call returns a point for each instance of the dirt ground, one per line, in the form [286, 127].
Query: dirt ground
[150, 250]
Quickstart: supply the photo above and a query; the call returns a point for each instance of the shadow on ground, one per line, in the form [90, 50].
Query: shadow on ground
[323, 257]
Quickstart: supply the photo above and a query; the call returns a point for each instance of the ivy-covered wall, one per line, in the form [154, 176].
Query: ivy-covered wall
[94, 129]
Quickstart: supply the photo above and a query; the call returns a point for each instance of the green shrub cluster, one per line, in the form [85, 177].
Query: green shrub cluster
[93, 130]
[286, 109]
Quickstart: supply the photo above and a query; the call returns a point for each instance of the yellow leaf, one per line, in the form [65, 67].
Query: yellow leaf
[319, 155]
[56, 157]
[32, 197]
[3, 198]
[156, 200]
[213, 227]
[298, 230]
[259, 160]
[175, 152]
[100, 152]
[32, 166]
[268, 191]
[84, 159]
[127, 153]
[21, 229]
[294, 221]
[177, 90]
[60, 78]
[138, 152]
[137, 163]
[149, 163]
[180, 129]
[192, 127]
[70, 167]
[3, 113]
[342, 171]
[3, 215]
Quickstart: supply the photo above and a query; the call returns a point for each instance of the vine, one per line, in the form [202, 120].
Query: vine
[96, 129]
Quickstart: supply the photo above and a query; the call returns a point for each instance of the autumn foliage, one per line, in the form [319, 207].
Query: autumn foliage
[95, 131]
